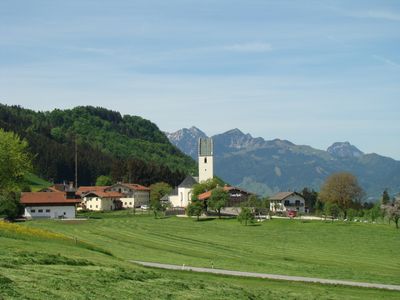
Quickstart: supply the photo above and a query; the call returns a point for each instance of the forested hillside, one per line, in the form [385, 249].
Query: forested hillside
[126, 147]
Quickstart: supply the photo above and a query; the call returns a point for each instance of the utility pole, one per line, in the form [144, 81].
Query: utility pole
[76, 163]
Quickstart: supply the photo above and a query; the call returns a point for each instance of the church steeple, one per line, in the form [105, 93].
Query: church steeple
[206, 161]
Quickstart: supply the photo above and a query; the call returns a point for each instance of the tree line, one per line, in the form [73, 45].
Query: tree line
[126, 148]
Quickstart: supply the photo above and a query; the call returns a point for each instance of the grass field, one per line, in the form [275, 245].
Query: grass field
[42, 258]
[36, 183]
[353, 251]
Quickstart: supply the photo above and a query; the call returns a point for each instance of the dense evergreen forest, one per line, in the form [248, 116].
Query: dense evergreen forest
[127, 148]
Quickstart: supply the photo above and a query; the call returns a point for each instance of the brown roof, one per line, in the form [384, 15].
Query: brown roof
[282, 195]
[86, 189]
[103, 194]
[135, 186]
[46, 198]
[207, 195]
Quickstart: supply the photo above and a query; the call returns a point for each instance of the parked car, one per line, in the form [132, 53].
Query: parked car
[144, 207]
[292, 213]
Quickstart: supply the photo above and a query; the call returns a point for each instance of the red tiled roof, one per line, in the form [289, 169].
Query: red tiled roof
[207, 195]
[85, 189]
[46, 198]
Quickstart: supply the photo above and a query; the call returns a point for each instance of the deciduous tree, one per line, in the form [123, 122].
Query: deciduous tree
[10, 206]
[195, 208]
[103, 180]
[157, 191]
[343, 190]
[218, 200]
[332, 210]
[205, 186]
[392, 211]
[310, 197]
[245, 216]
[15, 161]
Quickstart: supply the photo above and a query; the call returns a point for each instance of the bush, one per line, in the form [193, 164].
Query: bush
[10, 207]
[245, 216]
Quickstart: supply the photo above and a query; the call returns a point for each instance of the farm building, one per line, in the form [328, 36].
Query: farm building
[133, 195]
[117, 196]
[49, 205]
[286, 201]
[236, 196]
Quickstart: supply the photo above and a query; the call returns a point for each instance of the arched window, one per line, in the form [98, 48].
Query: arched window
[205, 160]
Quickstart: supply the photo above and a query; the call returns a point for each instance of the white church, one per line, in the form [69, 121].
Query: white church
[182, 194]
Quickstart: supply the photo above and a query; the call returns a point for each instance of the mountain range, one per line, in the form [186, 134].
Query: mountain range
[268, 166]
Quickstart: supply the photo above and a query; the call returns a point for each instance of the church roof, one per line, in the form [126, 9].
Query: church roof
[174, 192]
[188, 182]
[205, 147]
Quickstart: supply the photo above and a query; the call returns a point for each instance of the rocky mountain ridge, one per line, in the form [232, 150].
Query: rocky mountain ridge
[267, 166]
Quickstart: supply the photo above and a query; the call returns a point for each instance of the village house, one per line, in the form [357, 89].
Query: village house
[52, 205]
[134, 195]
[237, 196]
[117, 196]
[287, 201]
[96, 198]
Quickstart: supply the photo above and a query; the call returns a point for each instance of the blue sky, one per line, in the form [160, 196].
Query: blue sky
[312, 72]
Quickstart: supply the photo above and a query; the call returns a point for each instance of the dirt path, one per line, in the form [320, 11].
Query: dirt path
[269, 276]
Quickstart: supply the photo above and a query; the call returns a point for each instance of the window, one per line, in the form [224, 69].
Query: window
[125, 203]
[297, 202]
[287, 202]
[205, 160]
[40, 210]
[97, 206]
[90, 205]
[47, 210]
[33, 210]
[130, 203]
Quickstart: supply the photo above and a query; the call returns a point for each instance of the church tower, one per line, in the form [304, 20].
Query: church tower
[206, 163]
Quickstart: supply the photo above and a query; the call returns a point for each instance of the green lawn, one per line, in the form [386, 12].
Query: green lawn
[349, 251]
[37, 264]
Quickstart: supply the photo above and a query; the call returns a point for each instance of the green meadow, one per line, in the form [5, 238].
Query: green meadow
[88, 259]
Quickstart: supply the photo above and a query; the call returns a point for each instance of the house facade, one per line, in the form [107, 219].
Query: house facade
[117, 196]
[287, 201]
[133, 195]
[51, 205]
[101, 201]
